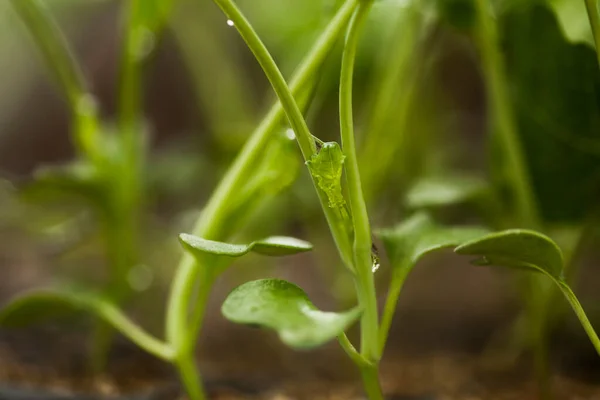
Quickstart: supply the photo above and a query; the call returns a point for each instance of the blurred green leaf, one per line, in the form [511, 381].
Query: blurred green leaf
[326, 167]
[42, 305]
[271, 246]
[555, 91]
[76, 180]
[516, 248]
[285, 308]
[419, 235]
[443, 191]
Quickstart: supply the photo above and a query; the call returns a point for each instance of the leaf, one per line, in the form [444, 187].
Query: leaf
[573, 19]
[42, 305]
[554, 86]
[517, 248]
[76, 180]
[419, 235]
[271, 246]
[444, 191]
[326, 167]
[285, 308]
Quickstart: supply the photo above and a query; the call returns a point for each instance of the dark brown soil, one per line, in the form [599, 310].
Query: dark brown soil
[42, 363]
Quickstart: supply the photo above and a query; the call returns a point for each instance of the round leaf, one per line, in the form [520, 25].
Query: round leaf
[271, 246]
[285, 308]
[517, 248]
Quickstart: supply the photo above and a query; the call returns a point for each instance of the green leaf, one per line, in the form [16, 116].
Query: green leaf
[573, 19]
[285, 308]
[444, 191]
[78, 180]
[517, 248]
[554, 86]
[419, 235]
[41, 305]
[326, 167]
[271, 246]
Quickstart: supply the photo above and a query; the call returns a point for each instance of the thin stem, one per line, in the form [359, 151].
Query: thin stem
[370, 378]
[262, 55]
[112, 315]
[592, 11]
[365, 284]
[517, 172]
[54, 47]
[58, 55]
[129, 79]
[399, 275]
[576, 305]
[190, 376]
[351, 351]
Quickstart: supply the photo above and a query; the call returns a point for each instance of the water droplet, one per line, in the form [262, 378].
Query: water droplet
[140, 277]
[376, 266]
[375, 258]
[230, 22]
[289, 133]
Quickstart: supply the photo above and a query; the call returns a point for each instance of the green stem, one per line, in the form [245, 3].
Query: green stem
[594, 17]
[365, 284]
[350, 350]
[576, 305]
[399, 275]
[370, 378]
[499, 100]
[262, 55]
[113, 316]
[129, 79]
[190, 376]
[59, 57]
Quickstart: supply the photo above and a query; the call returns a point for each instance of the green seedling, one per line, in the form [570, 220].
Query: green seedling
[529, 251]
[285, 308]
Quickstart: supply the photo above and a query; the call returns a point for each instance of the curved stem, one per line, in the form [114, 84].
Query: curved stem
[350, 350]
[594, 17]
[262, 55]
[58, 55]
[123, 324]
[365, 284]
[576, 305]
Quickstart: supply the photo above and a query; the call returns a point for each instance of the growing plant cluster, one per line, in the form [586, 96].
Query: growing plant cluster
[531, 187]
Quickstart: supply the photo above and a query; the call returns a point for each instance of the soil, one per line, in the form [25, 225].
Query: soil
[44, 363]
